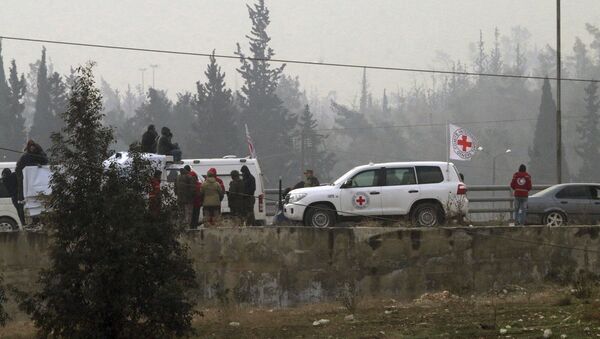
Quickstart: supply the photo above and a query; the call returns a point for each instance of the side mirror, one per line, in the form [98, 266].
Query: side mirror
[347, 183]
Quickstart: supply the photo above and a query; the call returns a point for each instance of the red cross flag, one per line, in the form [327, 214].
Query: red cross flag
[462, 143]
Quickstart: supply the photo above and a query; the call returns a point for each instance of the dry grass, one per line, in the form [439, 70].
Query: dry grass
[522, 316]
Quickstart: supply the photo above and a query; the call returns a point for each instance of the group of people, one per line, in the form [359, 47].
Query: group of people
[33, 155]
[192, 195]
[163, 144]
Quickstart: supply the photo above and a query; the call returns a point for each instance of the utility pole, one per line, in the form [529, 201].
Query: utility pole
[154, 67]
[143, 70]
[558, 101]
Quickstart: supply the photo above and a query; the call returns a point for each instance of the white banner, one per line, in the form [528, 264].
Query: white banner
[462, 143]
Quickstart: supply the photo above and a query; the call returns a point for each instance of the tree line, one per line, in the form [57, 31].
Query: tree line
[292, 129]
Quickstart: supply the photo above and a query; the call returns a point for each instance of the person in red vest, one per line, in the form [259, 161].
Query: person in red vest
[197, 201]
[521, 185]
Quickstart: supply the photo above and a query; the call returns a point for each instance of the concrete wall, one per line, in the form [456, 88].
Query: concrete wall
[284, 266]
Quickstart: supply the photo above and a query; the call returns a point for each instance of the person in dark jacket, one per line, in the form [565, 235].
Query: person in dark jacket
[150, 140]
[34, 156]
[521, 185]
[197, 198]
[249, 190]
[9, 179]
[235, 195]
[166, 146]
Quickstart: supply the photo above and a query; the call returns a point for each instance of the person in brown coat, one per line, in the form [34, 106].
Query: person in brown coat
[212, 194]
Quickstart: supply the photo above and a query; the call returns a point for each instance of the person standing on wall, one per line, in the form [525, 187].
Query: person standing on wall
[249, 190]
[150, 140]
[212, 194]
[521, 185]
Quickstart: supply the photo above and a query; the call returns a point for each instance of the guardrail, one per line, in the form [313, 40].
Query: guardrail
[480, 200]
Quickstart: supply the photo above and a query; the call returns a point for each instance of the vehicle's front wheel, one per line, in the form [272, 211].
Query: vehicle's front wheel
[8, 224]
[427, 215]
[555, 219]
[320, 216]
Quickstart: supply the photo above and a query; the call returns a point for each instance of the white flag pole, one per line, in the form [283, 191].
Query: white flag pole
[447, 150]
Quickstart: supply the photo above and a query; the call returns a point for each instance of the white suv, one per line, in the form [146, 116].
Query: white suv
[426, 192]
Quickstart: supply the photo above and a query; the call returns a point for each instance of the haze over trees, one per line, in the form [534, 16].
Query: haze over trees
[394, 124]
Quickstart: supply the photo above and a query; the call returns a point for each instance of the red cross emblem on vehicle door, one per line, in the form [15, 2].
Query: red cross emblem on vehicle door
[360, 200]
[464, 142]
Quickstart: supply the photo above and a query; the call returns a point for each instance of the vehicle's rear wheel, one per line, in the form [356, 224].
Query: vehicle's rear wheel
[320, 216]
[427, 215]
[8, 224]
[555, 219]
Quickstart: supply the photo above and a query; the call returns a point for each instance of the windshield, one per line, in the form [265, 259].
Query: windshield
[343, 178]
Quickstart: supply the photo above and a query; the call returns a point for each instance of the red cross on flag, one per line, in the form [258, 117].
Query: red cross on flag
[462, 143]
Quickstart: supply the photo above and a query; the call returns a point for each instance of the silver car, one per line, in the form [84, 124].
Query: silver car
[565, 203]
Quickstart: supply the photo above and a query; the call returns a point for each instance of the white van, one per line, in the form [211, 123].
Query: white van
[9, 218]
[224, 166]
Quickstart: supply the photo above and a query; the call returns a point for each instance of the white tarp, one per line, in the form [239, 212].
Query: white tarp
[36, 181]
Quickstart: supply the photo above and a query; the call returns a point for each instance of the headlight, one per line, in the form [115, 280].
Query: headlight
[296, 197]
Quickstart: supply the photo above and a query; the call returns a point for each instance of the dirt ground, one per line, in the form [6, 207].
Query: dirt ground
[508, 314]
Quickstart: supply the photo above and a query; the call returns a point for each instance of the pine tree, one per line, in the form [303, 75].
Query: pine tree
[589, 133]
[12, 124]
[580, 58]
[268, 121]
[520, 65]
[216, 130]
[312, 147]
[384, 103]
[542, 154]
[57, 88]
[117, 270]
[15, 135]
[364, 93]
[42, 116]
[155, 110]
[481, 62]
[495, 62]
[184, 123]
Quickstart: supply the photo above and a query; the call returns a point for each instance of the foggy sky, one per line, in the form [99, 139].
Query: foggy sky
[397, 33]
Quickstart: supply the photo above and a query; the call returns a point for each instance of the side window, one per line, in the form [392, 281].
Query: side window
[429, 175]
[400, 176]
[574, 192]
[366, 179]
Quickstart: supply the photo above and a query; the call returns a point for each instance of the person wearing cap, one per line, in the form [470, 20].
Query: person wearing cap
[214, 171]
[212, 194]
[185, 188]
[150, 140]
[310, 179]
[235, 195]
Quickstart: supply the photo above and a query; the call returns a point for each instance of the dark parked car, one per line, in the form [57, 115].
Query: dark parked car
[565, 203]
